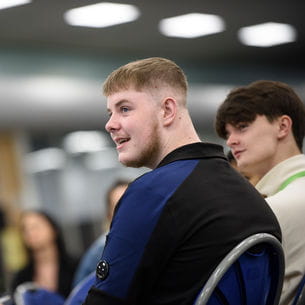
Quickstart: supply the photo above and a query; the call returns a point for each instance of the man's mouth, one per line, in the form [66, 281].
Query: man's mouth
[120, 141]
[237, 153]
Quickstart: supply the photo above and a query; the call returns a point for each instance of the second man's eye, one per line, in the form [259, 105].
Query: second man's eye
[242, 126]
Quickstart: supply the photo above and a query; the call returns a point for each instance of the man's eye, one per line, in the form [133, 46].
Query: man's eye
[124, 109]
[242, 126]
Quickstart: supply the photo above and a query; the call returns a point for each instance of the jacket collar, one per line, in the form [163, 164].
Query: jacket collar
[197, 150]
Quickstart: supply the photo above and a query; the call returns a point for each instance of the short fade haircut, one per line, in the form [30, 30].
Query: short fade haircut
[270, 98]
[149, 73]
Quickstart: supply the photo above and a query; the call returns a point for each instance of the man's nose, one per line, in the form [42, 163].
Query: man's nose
[232, 140]
[112, 124]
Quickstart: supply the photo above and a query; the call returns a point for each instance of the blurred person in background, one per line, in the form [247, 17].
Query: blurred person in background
[264, 126]
[49, 266]
[13, 253]
[2, 267]
[92, 256]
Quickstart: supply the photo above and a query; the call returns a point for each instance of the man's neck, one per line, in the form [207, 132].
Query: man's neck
[183, 140]
[281, 156]
[181, 133]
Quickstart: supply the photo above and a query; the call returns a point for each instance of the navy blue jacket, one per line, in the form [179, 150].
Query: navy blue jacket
[172, 227]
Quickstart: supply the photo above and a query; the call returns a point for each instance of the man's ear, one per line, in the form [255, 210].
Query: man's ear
[169, 110]
[285, 125]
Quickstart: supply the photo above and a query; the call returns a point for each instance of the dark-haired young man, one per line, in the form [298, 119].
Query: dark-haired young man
[264, 126]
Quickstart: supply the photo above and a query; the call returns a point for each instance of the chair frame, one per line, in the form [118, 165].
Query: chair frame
[5, 299]
[27, 287]
[22, 288]
[234, 255]
[300, 296]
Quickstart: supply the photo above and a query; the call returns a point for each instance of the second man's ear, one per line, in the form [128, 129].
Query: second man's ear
[285, 125]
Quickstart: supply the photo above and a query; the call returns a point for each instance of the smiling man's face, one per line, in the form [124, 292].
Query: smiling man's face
[134, 127]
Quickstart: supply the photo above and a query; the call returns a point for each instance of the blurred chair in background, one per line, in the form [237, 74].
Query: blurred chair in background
[31, 294]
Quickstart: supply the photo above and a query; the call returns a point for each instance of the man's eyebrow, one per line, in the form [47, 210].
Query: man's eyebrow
[117, 104]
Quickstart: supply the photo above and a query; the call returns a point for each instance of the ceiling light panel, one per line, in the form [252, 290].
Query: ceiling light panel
[101, 15]
[191, 25]
[10, 3]
[267, 34]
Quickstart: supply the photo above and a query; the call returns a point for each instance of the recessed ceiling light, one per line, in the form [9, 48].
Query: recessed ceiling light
[191, 25]
[267, 34]
[102, 14]
[10, 3]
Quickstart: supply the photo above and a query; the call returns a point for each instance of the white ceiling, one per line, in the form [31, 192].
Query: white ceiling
[51, 73]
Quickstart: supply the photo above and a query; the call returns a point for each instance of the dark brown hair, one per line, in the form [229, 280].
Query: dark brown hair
[270, 98]
[59, 240]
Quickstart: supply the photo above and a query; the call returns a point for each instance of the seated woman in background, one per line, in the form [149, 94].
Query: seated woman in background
[49, 265]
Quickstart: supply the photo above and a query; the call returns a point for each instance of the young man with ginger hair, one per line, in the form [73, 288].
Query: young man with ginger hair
[174, 224]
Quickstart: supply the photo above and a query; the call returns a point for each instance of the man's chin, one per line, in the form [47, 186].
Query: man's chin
[130, 163]
[243, 166]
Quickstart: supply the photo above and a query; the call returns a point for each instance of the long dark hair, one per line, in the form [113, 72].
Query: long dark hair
[270, 98]
[59, 241]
